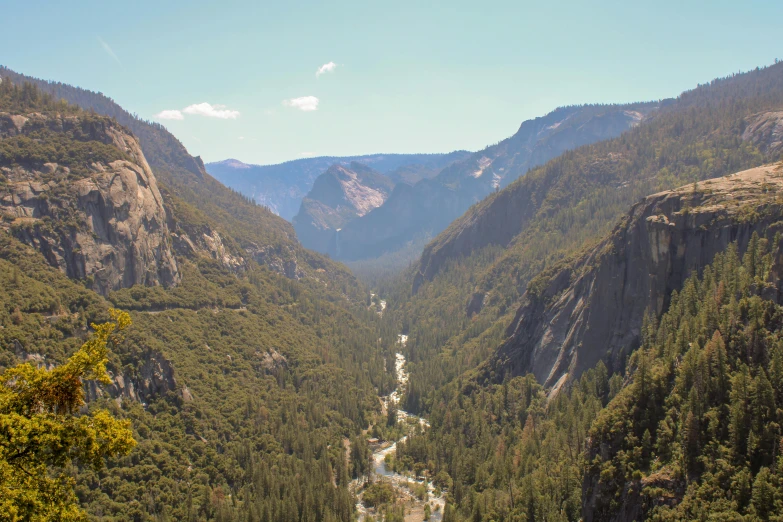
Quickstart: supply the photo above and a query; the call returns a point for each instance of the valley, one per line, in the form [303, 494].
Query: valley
[580, 322]
[402, 484]
[397, 224]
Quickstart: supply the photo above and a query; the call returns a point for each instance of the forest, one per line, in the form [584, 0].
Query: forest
[250, 390]
[697, 414]
[240, 387]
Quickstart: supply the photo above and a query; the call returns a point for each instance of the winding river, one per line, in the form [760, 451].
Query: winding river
[414, 507]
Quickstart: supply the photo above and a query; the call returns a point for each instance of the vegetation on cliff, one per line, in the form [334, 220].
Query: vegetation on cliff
[471, 278]
[240, 383]
[696, 432]
[691, 431]
[41, 433]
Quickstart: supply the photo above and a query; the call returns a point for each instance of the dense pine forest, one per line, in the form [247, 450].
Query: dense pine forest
[702, 411]
[239, 385]
[690, 431]
[255, 385]
[468, 284]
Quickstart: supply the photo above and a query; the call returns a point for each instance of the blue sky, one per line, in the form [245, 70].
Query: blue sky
[408, 76]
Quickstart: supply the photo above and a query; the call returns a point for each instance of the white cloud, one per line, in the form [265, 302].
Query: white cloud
[170, 114]
[109, 50]
[325, 68]
[211, 111]
[241, 138]
[305, 103]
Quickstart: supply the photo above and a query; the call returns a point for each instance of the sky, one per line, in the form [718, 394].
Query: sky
[266, 82]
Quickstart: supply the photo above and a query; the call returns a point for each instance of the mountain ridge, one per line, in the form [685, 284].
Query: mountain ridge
[434, 203]
[470, 279]
[254, 232]
[601, 298]
[97, 214]
[338, 196]
[281, 187]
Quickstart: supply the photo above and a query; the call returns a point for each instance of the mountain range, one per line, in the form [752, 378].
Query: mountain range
[593, 331]
[415, 212]
[282, 187]
[589, 287]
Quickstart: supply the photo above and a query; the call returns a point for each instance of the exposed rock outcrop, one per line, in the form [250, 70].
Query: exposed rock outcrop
[338, 196]
[463, 184]
[271, 360]
[154, 378]
[206, 242]
[476, 303]
[638, 497]
[593, 308]
[765, 130]
[247, 230]
[278, 258]
[106, 224]
[282, 187]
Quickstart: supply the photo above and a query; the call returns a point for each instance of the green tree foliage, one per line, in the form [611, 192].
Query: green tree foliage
[566, 205]
[703, 411]
[41, 431]
[257, 438]
[241, 386]
[379, 493]
[55, 138]
[25, 97]
[694, 432]
[360, 457]
[506, 452]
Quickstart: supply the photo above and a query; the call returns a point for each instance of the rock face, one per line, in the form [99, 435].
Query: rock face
[283, 187]
[278, 258]
[105, 223]
[338, 196]
[592, 309]
[154, 378]
[638, 497]
[210, 243]
[765, 130]
[429, 206]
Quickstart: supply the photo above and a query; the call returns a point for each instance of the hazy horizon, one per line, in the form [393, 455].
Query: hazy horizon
[267, 84]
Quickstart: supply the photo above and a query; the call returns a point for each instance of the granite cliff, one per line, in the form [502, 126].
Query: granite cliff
[338, 196]
[429, 206]
[282, 187]
[197, 204]
[101, 220]
[592, 307]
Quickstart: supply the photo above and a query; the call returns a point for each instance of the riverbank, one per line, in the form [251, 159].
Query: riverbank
[402, 483]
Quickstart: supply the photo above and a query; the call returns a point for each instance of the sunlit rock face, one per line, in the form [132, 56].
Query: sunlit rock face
[106, 225]
[339, 195]
[593, 309]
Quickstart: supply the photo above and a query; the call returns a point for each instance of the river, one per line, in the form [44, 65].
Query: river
[414, 507]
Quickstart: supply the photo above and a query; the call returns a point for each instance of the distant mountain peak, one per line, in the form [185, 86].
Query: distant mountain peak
[233, 163]
[282, 187]
[339, 195]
